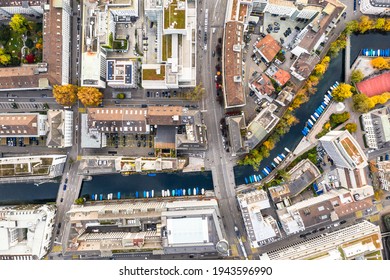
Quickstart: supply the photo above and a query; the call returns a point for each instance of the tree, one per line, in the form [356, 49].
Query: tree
[196, 93]
[361, 103]
[336, 119]
[284, 174]
[65, 95]
[89, 96]
[351, 27]
[365, 24]
[5, 33]
[380, 23]
[5, 58]
[319, 69]
[29, 43]
[387, 25]
[380, 63]
[356, 76]
[30, 58]
[19, 24]
[121, 95]
[351, 127]
[79, 201]
[342, 92]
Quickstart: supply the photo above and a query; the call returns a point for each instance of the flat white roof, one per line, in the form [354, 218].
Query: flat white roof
[187, 230]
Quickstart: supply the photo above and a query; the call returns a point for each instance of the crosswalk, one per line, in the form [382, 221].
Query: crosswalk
[21, 105]
[16, 257]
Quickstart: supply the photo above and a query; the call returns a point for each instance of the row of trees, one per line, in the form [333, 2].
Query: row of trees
[67, 95]
[365, 24]
[362, 103]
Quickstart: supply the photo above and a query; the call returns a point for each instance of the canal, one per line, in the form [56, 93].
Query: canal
[128, 185]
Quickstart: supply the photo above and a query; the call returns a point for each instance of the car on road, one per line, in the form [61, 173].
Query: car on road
[44, 95]
[139, 144]
[77, 127]
[213, 53]
[62, 199]
[11, 100]
[32, 100]
[66, 180]
[387, 198]
[117, 102]
[64, 188]
[343, 222]
[147, 94]
[151, 154]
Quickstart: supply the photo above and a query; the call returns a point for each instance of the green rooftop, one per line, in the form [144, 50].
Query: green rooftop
[166, 47]
[152, 75]
[175, 15]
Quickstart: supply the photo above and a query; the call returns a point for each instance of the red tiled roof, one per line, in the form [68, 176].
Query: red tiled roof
[281, 76]
[234, 92]
[376, 85]
[268, 47]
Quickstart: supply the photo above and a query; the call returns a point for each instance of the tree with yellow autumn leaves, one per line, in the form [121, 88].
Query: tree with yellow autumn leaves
[67, 95]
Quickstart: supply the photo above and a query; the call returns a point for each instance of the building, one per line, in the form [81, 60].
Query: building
[60, 129]
[54, 68]
[175, 66]
[344, 150]
[31, 167]
[310, 38]
[121, 74]
[234, 95]
[160, 227]
[22, 125]
[375, 85]
[304, 65]
[328, 207]
[56, 125]
[280, 76]
[260, 229]
[301, 176]
[262, 85]
[131, 120]
[236, 124]
[384, 174]
[26, 231]
[376, 124]
[285, 96]
[260, 126]
[361, 241]
[375, 7]
[268, 48]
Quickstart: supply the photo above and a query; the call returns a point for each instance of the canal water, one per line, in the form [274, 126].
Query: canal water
[128, 185]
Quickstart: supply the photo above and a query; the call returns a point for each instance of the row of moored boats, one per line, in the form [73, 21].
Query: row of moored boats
[378, 52]
[267, 170]
[320, 109]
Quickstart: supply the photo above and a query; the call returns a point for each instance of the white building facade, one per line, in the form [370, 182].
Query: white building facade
[375, 7]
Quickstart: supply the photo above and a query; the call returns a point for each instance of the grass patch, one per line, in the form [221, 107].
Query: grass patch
[166, 47]
[119, 45]
[47, 161]
[21, 168]
[173, 17]
[151, 74]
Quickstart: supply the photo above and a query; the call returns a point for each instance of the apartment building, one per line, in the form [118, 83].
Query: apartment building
[26, 231]
[376, 125]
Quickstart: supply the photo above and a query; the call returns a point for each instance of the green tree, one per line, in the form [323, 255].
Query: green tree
[351, 127]
[19, 24]
[361, 103]
[196, 93]
[65, 95]
[336, 119]
[29, 43]
[89, 96]
[79, 201]
[342, 92]
[5, 33]
[357, 76]
[284, 174]
[5, 58]
[121, 95]
[351, 26]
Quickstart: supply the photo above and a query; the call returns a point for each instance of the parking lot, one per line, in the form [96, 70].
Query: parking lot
[277, 26]
[23, 141]
[22, 105]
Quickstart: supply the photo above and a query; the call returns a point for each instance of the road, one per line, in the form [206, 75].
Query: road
[220, 162]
